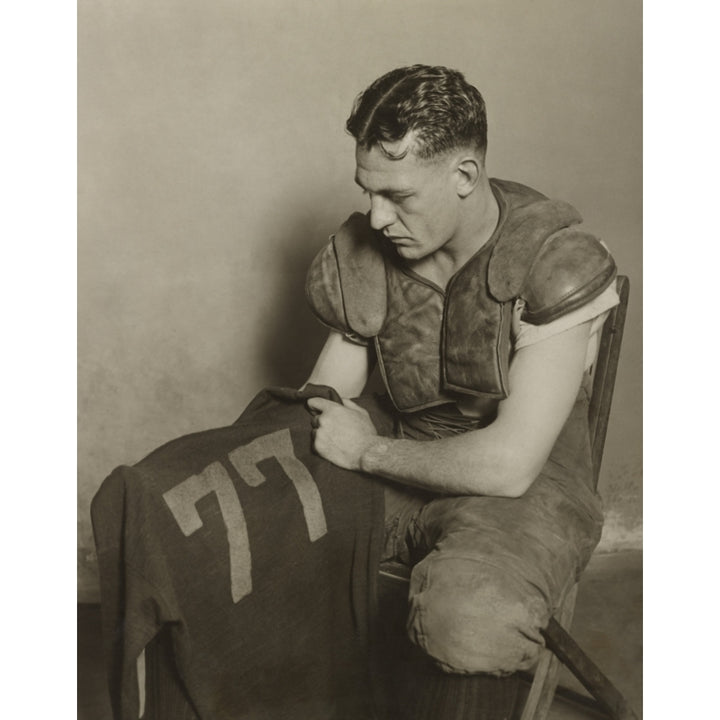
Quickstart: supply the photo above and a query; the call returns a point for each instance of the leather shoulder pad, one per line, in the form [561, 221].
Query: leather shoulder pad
[528, 224]
[571, 268]
[323, 292]
[346, 285]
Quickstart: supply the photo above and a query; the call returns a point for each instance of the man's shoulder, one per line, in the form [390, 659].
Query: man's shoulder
[571, 269]
[544, 256]
[522, 205]
[516, 194]
[527, 219]
[345, 285]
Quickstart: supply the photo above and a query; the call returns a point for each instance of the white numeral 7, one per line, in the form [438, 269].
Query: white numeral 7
[214, 479]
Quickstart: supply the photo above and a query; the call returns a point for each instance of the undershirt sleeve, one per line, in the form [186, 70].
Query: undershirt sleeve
[597, 310]
[356, 339]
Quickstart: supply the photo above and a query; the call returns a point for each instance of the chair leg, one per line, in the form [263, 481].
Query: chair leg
[570, 653]
[545, 680]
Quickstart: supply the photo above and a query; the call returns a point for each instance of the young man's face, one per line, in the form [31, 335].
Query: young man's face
[412, 201]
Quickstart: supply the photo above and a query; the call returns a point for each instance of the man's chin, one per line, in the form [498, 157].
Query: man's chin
[409, 252]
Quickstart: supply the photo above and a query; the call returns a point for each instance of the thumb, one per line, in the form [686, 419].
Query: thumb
[319, 404]
[352, 405]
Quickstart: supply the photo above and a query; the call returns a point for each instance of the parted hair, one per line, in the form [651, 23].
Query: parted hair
[435, 102]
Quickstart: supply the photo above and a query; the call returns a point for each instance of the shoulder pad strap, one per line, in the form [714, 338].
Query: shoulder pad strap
[346, 285]
[572, 268]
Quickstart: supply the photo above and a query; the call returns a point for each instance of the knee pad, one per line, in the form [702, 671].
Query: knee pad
[472, 616]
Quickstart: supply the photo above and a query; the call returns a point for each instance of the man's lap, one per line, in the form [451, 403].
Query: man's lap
[488, 572]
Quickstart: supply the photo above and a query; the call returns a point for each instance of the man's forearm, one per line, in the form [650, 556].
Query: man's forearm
[469, 464]
[502, 459]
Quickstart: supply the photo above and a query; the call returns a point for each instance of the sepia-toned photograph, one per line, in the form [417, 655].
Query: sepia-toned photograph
[360, 345]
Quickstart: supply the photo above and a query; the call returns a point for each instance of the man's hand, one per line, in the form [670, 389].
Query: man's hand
[342, 432]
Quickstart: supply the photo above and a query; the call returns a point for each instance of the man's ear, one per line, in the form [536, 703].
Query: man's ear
[468, 171]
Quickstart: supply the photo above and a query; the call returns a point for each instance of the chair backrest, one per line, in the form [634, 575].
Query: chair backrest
[604, 375]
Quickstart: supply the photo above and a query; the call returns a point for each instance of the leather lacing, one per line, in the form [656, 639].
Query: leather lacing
[437, 423]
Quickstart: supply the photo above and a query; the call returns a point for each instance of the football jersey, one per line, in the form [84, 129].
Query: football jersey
[255, 558]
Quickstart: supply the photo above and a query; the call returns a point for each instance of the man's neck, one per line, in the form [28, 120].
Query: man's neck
[480, 215]
[479, 219]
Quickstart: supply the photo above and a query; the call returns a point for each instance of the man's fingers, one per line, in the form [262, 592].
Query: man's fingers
[350, 404]
[319, 404]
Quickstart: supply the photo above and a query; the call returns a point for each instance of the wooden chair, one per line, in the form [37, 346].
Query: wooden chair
[560, 647]
[559, 644]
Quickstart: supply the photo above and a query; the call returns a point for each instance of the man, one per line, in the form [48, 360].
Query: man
[481, 301]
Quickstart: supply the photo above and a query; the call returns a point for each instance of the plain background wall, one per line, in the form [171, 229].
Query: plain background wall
[213, 164]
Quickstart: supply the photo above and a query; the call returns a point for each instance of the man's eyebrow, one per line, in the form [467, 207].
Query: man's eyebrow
[385, 191]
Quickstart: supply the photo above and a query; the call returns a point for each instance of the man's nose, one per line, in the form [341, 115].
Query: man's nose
[382, 213]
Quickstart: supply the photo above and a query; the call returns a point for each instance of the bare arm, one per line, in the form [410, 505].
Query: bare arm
[343, 365]
[502, 459]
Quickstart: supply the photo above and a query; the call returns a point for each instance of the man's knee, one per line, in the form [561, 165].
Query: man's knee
[472, 616]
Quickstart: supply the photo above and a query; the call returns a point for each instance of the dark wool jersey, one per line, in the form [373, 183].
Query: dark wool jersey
[256, 559]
